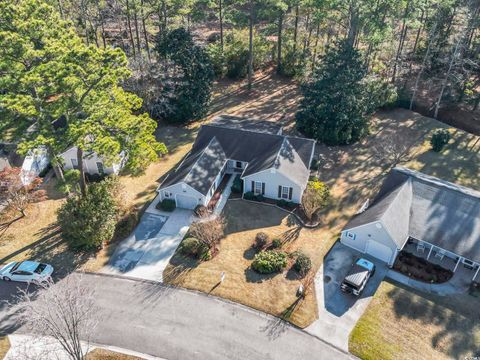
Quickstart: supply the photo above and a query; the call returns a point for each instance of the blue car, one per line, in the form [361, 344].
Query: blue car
[26, 271]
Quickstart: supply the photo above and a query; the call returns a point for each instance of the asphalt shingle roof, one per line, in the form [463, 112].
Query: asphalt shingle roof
[289, 155]
[412, 204]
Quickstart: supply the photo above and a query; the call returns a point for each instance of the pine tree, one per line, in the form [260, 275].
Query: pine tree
[334, 106]
[189, 86]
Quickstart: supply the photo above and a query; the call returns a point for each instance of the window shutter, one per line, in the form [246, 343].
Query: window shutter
[263, 188]
[253, 186]
[279, 191]
[290, 190]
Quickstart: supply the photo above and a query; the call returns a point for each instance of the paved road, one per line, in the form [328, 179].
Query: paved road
[178, 324]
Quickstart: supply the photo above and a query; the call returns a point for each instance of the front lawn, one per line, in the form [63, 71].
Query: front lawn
[273, 293]
[402, 324]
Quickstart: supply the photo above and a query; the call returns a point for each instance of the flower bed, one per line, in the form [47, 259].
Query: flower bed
[420, 269]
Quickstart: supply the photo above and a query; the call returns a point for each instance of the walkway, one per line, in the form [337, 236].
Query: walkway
[147, 251]
[174, 323]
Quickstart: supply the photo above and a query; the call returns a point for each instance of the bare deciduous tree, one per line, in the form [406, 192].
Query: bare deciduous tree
[209, 232]
[64, 311]
[15, 196]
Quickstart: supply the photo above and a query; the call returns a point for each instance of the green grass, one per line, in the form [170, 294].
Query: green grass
[401, 324]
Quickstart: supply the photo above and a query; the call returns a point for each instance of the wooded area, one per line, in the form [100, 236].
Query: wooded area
[428, 49]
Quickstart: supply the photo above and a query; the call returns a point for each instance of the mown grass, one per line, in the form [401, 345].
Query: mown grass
[402, 324]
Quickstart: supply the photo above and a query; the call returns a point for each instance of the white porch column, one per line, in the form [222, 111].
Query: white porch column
[476, 273]
[430, 252]
[456, 265]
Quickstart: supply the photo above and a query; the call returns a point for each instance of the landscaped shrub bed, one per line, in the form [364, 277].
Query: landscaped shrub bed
[261, 240]
[201, 211]
[251, 196]
[195, 248]
[269, 261]
[420, 269]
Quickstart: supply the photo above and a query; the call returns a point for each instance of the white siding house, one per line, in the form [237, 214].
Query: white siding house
[372, 239]
[276, 166]
[275, 186]
[92, 163]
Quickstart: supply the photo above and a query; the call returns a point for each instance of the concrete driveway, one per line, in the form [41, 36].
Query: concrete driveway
[339, 312]
[147, 251]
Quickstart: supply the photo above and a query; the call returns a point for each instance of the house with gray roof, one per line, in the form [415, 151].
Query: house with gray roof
[269, 164]
[435, 218]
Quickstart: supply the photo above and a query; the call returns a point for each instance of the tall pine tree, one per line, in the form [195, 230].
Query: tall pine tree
[334, 106]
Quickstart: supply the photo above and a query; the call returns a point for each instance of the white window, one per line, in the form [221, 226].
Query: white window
[166, 194]
[238, 164]
[285, 192]
[74, 163]
[184, 188]
[258, 187]
[351, 235]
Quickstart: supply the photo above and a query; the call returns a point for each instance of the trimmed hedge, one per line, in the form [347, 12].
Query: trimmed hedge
[195, 248]
[269, 261]
[251, 196]
[276, 243]
[167, 205]
[302, 264]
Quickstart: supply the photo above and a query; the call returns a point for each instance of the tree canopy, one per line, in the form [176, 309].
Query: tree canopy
[187, 87]
[334, 106]
[48, 73]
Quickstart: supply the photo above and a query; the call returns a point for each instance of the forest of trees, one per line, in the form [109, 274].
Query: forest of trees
[428, 49]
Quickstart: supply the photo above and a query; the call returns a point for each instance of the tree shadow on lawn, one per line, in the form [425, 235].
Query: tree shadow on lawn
[178, 268]
[252, 276]
[459, 333]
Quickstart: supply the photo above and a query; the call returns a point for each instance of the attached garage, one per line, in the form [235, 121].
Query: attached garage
[186, 201]
[379, 251]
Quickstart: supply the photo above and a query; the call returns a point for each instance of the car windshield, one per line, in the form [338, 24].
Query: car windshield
[16, 266]
[40, 268]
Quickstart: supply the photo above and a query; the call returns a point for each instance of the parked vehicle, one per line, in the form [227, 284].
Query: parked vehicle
[26, 271]
[358, 276]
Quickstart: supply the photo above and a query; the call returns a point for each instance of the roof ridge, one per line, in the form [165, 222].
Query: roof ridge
[246, 130]
[408, 183]
[201, 154]
[438, 182]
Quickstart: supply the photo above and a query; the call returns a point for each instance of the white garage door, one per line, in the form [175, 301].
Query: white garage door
[378, 250]
[186, 202]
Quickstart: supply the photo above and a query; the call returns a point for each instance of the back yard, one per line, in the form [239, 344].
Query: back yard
[401, 324]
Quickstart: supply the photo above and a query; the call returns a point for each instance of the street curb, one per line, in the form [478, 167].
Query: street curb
[222, 300]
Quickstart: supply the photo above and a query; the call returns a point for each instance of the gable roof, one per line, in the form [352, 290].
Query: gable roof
[262, 151]
[412, 204]
[251, 124]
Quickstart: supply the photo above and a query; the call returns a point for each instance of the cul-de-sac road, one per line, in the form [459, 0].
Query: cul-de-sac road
[173, 323]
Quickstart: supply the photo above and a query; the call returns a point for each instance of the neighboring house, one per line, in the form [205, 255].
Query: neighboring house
[93, 164]
[32, 165]
[439, 219]
[272, 165]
